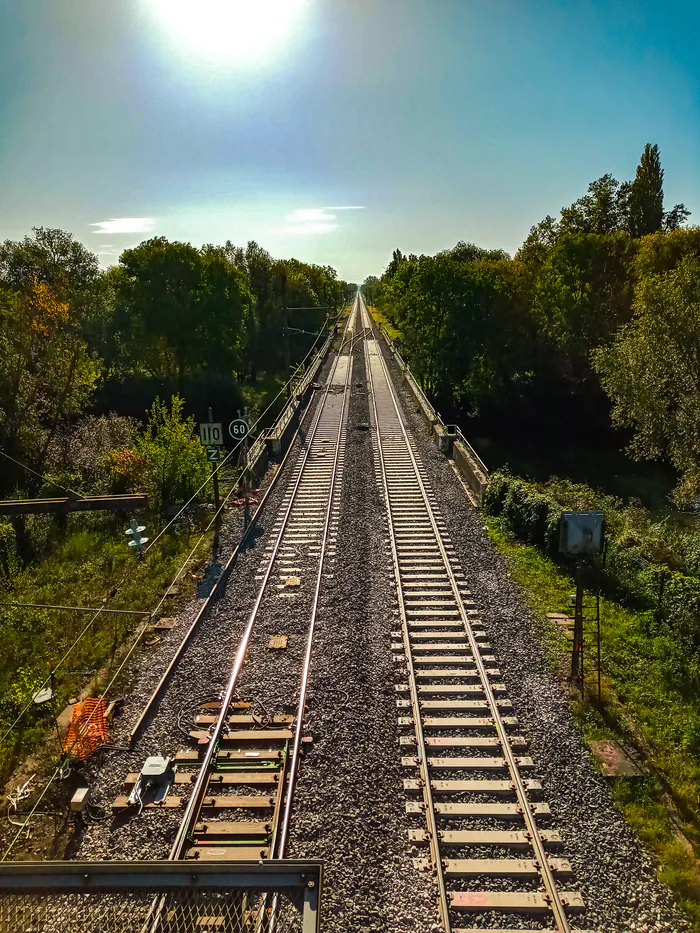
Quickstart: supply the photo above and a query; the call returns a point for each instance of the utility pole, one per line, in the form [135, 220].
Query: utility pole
[285, 325]
[577, 652]
[215, 479]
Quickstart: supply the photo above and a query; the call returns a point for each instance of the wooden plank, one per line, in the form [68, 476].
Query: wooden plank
[257, 736]
[246, 828]
[170, 803]
[236, 802]
[245, 777]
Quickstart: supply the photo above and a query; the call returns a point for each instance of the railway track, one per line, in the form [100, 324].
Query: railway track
[247, 758]
[236, 781]
[479, 812]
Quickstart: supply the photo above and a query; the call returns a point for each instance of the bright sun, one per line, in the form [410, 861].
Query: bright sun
[236, 33]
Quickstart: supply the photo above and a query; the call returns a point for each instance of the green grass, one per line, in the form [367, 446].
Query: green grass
[81, 566]
[643, 703]
[384, 321]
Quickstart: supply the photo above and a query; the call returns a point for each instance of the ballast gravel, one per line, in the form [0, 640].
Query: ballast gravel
[613, 871]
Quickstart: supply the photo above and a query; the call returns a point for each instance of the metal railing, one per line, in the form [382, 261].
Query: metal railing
[116, 897]
[430, 410]
[298, 388]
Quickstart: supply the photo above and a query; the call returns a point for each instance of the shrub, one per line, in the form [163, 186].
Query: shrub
[639, 567]
[532, 516]
[175, 461]
[85, 448]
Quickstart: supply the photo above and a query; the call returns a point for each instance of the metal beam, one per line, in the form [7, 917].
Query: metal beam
[268, 875]
[69, 504]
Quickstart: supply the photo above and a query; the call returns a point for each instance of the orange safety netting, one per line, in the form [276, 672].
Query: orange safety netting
[87, 730]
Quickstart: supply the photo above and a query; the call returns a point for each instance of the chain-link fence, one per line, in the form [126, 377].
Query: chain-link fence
[160, 897]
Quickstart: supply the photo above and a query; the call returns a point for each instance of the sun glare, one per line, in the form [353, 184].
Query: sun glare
[235, 33]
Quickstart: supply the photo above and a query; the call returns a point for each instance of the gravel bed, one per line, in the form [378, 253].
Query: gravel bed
[202, 674]
[350, 807]
[613, 871]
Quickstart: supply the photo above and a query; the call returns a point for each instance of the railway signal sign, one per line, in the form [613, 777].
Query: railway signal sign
[213, 454]
[238, 429]
[211, 433]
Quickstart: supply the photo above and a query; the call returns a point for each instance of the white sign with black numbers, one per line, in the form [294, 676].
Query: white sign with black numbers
[211, 433]
[238, 429]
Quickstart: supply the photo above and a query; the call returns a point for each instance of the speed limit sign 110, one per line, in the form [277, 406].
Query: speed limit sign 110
[238, 429]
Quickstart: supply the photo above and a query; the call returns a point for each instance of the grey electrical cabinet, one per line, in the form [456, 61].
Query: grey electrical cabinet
[581, 533]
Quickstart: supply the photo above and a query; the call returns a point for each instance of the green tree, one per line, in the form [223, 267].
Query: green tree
[180, 309]
[602, 210]
[47, 371]
[651, 371]
[646, 195]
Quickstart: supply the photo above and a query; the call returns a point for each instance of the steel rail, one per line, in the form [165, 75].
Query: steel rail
[207, 604]
[282, 840]
[558, 909]
[420, 737]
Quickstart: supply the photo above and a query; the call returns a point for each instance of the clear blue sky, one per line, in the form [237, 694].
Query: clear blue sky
[209, 120]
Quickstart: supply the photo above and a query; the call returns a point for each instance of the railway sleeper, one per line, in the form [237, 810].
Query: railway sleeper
[455, 672]
[502, 930]
[462, 741]
[224, 853]
[496, 811]
[449, 705]
[455, 705]
[458, 689]
[459, 722]
[483, 786]
[469, 764]
[509, 839]
[503, 867]
[513, 902]
[205, 719]
[247, 758]
[231, 829]
[246, 735]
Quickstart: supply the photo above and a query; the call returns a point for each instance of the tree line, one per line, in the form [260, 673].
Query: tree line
[601, 304]
[167, 313]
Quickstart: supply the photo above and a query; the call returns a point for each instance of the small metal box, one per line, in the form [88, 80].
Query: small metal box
[79, 799]
[581, 533]
[157, 768]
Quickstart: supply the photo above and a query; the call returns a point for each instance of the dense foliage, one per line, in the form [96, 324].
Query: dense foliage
[606, 299]
[167, 317]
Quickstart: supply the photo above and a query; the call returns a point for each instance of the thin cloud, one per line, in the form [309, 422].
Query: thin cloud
[310, 221]
[126, 225]
[346, 207]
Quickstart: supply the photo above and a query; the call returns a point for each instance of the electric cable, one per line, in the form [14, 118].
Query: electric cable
[45, 478]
